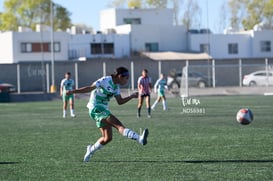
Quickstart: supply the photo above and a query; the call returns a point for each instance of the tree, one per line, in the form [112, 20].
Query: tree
[258, 11]
[28, 13]
[248, 13]
[268, 13]
[135, 4]
[176, 5]
[62, 20]
[191, 16]
[222, 24]
[157, 3]
[237, 8]
[138, 3]
[117, 4]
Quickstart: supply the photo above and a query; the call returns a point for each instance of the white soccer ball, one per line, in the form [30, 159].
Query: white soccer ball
[244, 116]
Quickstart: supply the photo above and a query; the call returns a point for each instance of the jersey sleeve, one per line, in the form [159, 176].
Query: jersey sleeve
[100, 82]
[62, 82]
[139, 80]
[117, 91]
[156, 84]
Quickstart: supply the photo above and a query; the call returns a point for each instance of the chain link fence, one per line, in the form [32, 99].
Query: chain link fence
[203, 75]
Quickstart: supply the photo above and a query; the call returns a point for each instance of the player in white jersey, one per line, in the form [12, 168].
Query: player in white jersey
[67, 84]
[159, 87]
[102, 91]
[144, 85]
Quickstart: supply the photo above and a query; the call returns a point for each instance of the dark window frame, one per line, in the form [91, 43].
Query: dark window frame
[39, 47]
[233, 48]
[265, 46]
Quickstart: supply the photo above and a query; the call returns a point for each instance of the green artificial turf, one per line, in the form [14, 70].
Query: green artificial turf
[36, 143]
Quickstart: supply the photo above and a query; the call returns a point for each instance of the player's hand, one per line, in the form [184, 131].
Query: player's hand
[134, 95]
[69, 92]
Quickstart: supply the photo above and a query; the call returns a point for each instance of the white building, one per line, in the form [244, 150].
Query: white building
[262, 44]
[98, 46]
[126, 31]
[32, 46]
[28, 46]
[149, 29]
[247, 44]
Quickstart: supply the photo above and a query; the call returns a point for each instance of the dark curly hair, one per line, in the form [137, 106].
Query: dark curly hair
[121, 71]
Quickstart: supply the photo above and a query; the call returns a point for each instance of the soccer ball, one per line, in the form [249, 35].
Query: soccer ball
[244, 116]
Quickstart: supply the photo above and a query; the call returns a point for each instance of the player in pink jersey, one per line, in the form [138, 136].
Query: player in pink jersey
[144, 85]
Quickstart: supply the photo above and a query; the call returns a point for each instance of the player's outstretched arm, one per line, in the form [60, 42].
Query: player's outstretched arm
[120, 100]
[82, 90]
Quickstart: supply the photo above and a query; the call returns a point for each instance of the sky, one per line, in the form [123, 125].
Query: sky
[88, 11]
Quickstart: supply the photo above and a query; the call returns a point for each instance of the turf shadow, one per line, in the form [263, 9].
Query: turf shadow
[229, 161]
[8, 163]
[184, 161]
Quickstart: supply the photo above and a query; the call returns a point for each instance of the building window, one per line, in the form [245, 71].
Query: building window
[135, 21]
[96, 48]
[102, 48]
[204, 48]
[151, 47]
[265, 46]
[108, 48]
[25, 47]
[37, 47]
[233, 48]
[56, 45]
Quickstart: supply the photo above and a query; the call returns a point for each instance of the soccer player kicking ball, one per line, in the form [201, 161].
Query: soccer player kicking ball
[101, 91]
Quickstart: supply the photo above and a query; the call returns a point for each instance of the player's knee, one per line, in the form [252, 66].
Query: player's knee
[120, 129]
[107, 139]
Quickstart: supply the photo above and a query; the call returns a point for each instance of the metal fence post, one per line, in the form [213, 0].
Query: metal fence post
[132, 76]
[18, 79]
[266, 69]
[213, 73]
[159, 68]
[240, 73]
[104, 68]
[47, 78]
[76, 76]
[185, 73]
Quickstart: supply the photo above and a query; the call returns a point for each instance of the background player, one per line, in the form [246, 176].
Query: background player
[159, 87]
[144, 85]
[67, 84]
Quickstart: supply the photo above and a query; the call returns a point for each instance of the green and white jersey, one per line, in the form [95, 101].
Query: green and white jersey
[105, 90]
[67, 84]
[160, 85]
